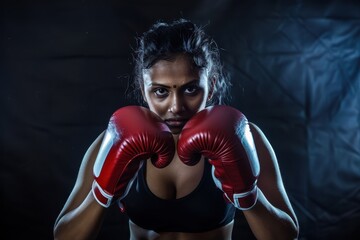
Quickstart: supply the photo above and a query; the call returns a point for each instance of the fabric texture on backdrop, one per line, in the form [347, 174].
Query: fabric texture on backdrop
[67, 65]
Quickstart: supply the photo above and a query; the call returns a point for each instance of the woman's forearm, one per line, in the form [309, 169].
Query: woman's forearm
[268, 222]
[82, 222]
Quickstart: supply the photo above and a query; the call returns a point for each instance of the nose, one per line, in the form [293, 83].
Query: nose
[177, 104]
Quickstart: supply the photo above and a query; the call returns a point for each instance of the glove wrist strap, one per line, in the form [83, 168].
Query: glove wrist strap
[103, 198]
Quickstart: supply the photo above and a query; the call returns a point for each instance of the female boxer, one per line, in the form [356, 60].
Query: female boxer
[181, 167]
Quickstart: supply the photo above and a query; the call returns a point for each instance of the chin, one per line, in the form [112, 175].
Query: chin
[175, 131]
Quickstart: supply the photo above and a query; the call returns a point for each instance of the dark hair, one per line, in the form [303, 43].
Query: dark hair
[164, 40]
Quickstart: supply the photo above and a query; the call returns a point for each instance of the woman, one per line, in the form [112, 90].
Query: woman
[179, 74]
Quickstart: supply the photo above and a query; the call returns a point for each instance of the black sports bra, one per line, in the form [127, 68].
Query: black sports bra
[202, 210]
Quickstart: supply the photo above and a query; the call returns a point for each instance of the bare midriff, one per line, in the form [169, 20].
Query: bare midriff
[223, 233]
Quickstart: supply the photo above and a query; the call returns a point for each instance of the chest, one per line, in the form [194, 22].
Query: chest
[179, 201]
[174, 181]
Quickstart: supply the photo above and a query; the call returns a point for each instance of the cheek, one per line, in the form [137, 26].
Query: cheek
[160, 108]
[198, 103]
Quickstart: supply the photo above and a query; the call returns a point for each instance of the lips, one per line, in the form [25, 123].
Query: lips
[176, 122]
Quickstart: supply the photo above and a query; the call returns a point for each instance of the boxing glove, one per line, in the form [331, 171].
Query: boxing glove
[133, 135]
[222, 134]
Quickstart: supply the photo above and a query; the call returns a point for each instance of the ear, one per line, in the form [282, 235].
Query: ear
[212, 87]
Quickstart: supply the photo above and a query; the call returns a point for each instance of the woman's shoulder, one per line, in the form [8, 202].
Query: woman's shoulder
[95, 145]
[264, 149]
[257, 133]
[87, 163]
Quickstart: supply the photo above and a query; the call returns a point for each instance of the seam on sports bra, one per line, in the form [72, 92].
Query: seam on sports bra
[156, 198]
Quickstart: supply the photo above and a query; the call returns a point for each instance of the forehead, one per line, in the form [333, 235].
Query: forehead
[178, 70]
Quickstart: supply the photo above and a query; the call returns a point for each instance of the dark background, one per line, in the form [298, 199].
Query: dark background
[65, 66]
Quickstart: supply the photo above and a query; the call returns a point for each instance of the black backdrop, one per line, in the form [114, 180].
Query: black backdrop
[65, 66]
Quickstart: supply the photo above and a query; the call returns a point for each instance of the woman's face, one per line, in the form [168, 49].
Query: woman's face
[175, 90]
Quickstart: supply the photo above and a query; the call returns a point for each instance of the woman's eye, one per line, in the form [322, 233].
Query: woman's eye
[161, 92]
[191, 90]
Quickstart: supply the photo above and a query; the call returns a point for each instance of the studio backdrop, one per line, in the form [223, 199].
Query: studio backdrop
[66, 66]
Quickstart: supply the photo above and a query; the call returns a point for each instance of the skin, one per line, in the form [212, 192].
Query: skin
[175, 90]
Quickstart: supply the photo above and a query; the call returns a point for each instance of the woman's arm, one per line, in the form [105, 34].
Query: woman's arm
[272, 217]
[81, 216]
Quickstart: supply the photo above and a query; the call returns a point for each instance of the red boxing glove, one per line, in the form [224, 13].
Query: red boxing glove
[134, 134]
[222, 134]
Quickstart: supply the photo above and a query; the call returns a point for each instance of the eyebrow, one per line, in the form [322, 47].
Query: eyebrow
[166, 86]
